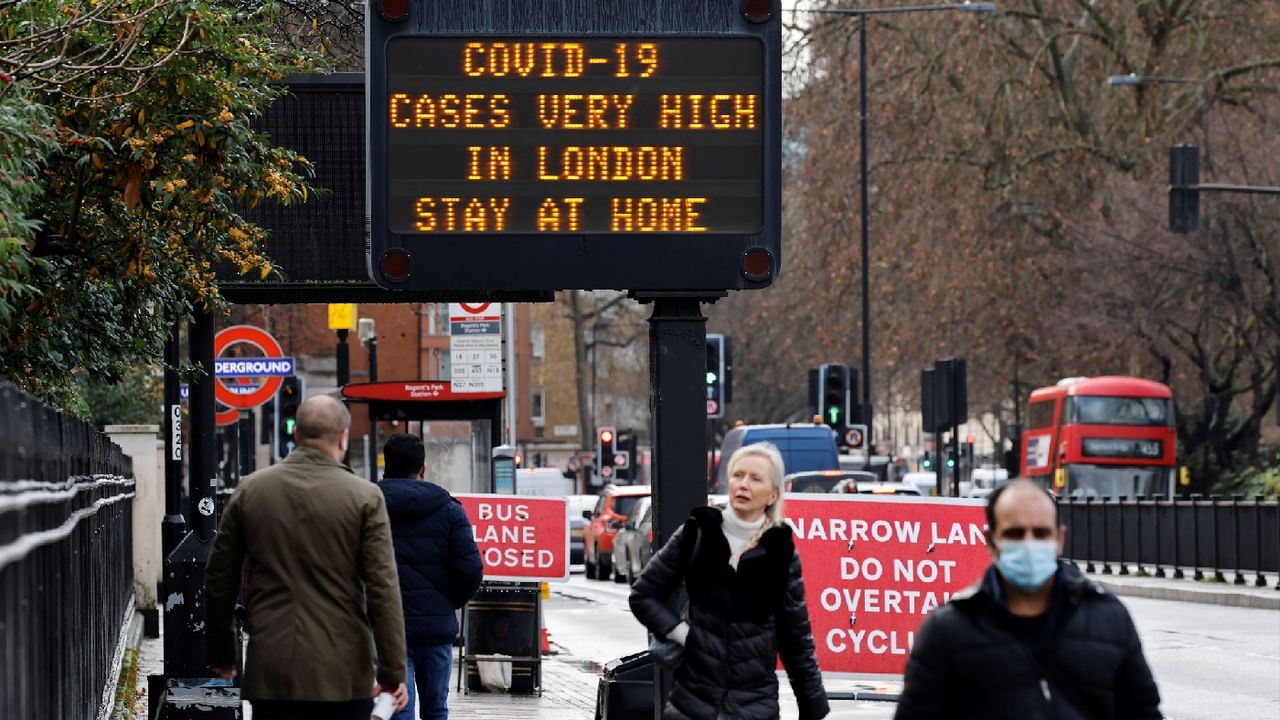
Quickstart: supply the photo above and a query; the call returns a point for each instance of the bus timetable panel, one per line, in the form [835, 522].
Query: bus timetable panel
[504, 135]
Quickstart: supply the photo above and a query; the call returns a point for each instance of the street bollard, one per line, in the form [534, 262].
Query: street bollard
[1124, 565]
[1177, 555]
[1088, 533]
[1195, 536]
[1106, 539]
[1259, 581]
[1217, 555]
[1235, 525]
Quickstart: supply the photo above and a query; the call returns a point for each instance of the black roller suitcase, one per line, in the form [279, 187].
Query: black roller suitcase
[626, 688]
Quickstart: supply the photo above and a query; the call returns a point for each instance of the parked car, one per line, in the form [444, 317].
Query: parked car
[804, 447]
[823, 481]
[578, 504]
[612, 507]
[634, 543]
[875, 487]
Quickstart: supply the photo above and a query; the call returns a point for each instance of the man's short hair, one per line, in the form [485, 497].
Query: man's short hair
[403, 456]
[322, 418]
[994, 497]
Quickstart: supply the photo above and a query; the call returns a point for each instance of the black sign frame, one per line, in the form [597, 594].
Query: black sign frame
[461, 262]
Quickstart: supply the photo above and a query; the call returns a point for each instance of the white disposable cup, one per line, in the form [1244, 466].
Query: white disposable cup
[384, 706]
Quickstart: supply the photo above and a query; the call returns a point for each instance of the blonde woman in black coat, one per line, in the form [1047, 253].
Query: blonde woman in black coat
[746, 603]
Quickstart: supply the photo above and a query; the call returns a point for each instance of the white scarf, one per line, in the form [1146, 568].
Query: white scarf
[741, 534]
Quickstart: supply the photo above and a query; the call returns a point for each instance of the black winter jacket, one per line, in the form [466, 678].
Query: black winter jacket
[740, 623]
[973, 659]
[436, 558]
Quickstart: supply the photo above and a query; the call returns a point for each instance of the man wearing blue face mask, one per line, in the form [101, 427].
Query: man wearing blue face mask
[1034, 639]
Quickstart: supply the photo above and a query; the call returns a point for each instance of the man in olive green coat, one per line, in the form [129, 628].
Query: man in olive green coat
[322, 585]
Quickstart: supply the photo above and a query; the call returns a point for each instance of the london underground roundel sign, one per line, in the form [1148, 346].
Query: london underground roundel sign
[273, 365]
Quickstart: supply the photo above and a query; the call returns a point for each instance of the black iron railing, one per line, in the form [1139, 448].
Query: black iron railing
[66, 561]
[1233, 539]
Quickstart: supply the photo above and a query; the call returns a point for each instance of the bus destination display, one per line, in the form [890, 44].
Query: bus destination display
[574, 136]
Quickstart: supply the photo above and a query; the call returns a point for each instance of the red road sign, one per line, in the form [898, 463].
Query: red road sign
[475, 308]
[521, 539]
[713, 408]
[260, 339]
[875, 566]
[855, 436]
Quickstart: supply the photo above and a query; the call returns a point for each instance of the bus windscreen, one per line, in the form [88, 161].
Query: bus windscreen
[1097, 410]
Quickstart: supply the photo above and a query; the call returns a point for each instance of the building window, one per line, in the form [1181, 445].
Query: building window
[536, 409]
[446, 366]
[538, 339]
[438, 319]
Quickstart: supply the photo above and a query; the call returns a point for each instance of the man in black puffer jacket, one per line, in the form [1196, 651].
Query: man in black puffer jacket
[439, 569]
[1034, 639]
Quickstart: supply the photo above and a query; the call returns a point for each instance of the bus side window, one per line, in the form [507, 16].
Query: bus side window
[1040, 414]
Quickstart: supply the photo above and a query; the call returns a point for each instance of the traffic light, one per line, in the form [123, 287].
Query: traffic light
[951, 459]
[606, 446]
[967, 449]
[288, 400]
[624, 455]
[1184, 203]
[927, 462]
[715, 376]
[833, 392]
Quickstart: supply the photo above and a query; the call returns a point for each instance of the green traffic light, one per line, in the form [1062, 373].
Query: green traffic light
[711, 378]
[951, 463]
[289, 424]
[833, 413]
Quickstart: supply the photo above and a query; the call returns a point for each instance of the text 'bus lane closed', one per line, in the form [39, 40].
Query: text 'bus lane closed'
[875, 567]
[521, 539]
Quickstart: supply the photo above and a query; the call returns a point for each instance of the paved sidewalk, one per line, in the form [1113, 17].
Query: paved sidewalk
[1190, 590]
[570, 683]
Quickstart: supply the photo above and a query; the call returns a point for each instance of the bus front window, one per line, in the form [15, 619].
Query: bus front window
[1099, 410]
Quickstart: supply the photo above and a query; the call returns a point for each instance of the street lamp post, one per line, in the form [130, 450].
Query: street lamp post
[863, 170]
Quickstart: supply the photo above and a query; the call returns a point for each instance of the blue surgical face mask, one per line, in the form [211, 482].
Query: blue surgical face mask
[1028, 564]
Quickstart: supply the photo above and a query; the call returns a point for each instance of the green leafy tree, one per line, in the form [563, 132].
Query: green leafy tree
[146, 163]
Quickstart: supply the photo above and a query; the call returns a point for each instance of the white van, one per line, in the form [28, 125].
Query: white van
[543, 482]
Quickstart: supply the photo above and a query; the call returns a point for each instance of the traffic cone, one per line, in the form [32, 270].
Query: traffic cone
[546, 643]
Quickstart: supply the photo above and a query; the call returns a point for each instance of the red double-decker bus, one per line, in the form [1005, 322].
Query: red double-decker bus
[1102, 437]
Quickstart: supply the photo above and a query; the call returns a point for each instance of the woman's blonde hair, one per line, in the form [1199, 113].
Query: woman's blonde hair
[770, 453]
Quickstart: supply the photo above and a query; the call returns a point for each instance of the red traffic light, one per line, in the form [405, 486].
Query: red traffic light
[606, 436]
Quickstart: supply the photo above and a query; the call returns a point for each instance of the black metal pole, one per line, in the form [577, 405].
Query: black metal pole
[955, 453]
[1177, 537]
[373, 422]
[1258, 580]
[248, 463]
[343, 355]
[863, 172]
[185, 606]
[1195, 534]
[203, 452]
[173, 525]
[1124, 565]
[677, 373]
